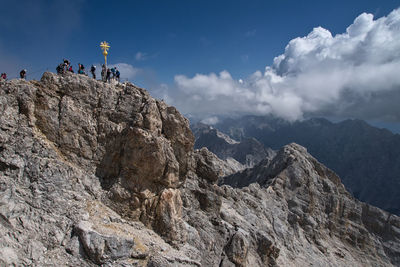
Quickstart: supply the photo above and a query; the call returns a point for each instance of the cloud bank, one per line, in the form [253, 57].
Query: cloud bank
[353, 74]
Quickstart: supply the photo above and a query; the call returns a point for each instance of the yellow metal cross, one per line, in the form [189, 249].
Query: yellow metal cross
[105, 46]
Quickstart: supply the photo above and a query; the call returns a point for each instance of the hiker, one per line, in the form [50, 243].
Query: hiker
[81, 69]
[103, 73]
[70, 69]
[4, 76]
[117, 73]
[67, 64]
[60, 68]
[108, 77]
[93, 71]
[22, 74]
[113, 72]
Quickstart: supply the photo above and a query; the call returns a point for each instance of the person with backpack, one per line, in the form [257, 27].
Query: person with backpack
[22, 74]
[93, 71]
[81, 69]
[113, 72]
[60, 68]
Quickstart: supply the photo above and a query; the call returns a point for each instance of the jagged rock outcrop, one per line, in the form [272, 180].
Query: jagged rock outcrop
[93, 174]
[240, 155]
[68, 141]
[319, 212]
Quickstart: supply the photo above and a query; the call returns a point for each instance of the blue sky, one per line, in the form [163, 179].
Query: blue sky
[165, 44]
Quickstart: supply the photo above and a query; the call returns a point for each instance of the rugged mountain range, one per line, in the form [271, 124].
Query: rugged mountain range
[366, 158]
[95, 174]
[240, 155]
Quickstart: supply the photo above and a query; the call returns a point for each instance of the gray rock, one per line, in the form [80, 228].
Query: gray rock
[101, 248]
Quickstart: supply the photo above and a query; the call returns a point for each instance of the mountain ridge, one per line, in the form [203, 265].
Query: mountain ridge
[365, 157]
[96, 174]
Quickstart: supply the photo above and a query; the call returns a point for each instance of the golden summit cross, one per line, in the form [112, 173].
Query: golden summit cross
[105, 46]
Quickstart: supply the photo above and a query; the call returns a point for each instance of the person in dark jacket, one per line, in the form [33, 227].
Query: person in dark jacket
[93, 71]
[108, 77]
[117, 74]
[103, 73]
[22, 74]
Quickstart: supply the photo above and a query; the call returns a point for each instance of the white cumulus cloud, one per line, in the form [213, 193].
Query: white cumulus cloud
[356, 74]
[128, 72]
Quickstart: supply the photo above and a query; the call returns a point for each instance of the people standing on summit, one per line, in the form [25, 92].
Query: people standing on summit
[103, 73]
[113, 72]
[93, 71]
[117, 73]
[81, 69]
[22, 74]
[108, 77]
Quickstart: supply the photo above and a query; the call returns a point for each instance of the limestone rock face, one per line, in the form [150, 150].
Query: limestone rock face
[67, 141]
[93, 174]
[317, 215]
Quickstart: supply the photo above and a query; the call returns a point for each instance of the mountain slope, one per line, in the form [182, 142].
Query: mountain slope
[319, 209]
[93, 174]
[366, 158]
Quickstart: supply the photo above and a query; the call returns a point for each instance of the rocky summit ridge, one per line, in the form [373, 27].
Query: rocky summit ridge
[93, 174]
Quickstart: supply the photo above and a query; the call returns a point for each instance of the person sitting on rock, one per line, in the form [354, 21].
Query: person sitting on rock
[22, 74]
[70, 69]
[3, 76]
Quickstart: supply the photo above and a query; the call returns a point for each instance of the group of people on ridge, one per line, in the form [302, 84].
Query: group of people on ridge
[22, 75]
[105, 72]
[66, 66]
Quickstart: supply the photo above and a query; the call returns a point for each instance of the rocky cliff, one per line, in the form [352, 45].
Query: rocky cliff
[93, 174]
